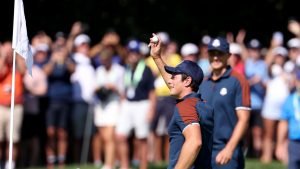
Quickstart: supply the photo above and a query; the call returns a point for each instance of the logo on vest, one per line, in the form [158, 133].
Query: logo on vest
[223, 91]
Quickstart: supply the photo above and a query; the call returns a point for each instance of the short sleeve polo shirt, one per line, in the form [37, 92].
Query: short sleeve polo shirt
[145, 85]
[227, 94]
[191, 111]
[289, 114]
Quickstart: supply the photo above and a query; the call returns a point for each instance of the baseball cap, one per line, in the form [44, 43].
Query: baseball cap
[164, 37]
[133, 46]
[235, 48]
[254, 44]
[189, 68]
[279, 50]
[42, 47]
[81, 39]
[294, 43]
[189, 49]
[219, 44]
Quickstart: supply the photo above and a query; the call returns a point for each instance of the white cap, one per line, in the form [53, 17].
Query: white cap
[188, 49]
[280, 51]
[294, 43]
[82, 38]
[235, 48]
[144, 48]
[41, 47]
[164, 37]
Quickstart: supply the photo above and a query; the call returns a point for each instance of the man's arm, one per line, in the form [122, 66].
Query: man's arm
[225, 155]
[155, 53]
[190, 147]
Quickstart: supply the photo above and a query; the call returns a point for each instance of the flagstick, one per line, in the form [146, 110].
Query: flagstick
[12, 105]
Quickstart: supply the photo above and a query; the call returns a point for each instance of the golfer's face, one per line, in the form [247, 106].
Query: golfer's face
[176, 85]
[217, 59]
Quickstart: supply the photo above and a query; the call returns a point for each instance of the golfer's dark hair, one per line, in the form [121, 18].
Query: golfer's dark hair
[193, 84]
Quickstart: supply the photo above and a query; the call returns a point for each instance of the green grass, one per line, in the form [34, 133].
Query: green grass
[255, 164]
[250, 164]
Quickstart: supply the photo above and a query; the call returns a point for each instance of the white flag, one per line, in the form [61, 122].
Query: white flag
[20, 42]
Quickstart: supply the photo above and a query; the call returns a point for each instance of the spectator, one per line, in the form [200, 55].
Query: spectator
[59, 70]
[236, 60]
[203, 60]
[6, 64]
[293, 55]
[83, 87]
[35, 105]
[112, 39]
[189, 51]
[289, 128]
[256, 71]
[271, 109]
[139, 89]
[109, 89]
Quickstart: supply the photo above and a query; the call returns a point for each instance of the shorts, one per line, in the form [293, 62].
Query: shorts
[271, 111]
[5, 122]
[134, 116]
[256, 118]
[57, 115]
[107, 115]
[79, 116]
[163, 114]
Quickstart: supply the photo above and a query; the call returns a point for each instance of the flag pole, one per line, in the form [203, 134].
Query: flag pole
[20, 45]
[12, 105]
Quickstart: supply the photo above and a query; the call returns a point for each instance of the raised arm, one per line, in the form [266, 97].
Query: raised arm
[155, 53]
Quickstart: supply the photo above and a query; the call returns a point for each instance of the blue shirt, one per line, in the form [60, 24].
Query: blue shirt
[227, 94]
[289, 114]
[257, 91]
[190, 110]
[60, 88]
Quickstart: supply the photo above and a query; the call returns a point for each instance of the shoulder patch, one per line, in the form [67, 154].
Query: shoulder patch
[188, 111]
[244, 86]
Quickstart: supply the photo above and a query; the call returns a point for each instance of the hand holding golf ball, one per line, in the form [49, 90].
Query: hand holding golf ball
[155, 46]
[154, 39]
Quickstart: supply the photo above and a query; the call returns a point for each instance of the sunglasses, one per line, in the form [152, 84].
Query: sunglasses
[217, 53]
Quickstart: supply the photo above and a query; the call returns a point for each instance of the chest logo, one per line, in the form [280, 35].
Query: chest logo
[223, 91]
[216, 43]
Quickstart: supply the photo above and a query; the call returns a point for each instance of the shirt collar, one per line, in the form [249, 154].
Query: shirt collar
[191, 95]
[225, 75]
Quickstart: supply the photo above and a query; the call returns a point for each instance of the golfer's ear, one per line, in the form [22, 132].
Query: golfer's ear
[188, 81]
